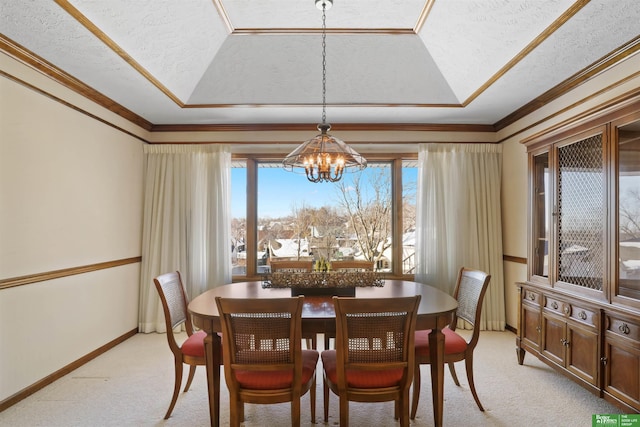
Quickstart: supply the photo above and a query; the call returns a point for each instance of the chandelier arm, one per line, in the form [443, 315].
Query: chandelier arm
[337, 175]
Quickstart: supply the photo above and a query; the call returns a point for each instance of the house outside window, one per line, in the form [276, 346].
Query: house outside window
[361, 217]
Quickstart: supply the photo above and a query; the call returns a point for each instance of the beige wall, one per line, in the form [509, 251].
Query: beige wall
[70, 195]
[514, 222]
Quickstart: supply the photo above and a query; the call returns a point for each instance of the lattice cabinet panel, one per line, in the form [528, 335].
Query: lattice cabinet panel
[581, 212]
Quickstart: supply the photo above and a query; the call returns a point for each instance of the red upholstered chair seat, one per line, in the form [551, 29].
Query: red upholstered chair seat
[361, 378]
[453, 343]
[194, 345]
[270, 380]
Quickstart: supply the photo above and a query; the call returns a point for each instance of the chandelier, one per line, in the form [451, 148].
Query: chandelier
[324, 157]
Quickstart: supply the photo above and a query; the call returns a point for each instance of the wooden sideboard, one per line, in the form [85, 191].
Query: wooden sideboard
[579, 309]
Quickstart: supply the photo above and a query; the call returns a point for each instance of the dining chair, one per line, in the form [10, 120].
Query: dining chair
[298, 266]
[264, 362]
[470, 289]
[191, 352]
[373, 359]
[348, 266]
[352, 265]
[293, 266]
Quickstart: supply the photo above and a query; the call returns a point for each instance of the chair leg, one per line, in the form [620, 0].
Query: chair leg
[472, 386]
[312, 342]
[416, 391]
[403, 406]
[236, 411]
[312, 396]
[176, 387]
[295, 412]
[325, 400]
[452, 369]
[344, 411]
[192, 372]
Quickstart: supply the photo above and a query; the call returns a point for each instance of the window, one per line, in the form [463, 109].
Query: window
[409, 188]
[238, 218]
[296, 219]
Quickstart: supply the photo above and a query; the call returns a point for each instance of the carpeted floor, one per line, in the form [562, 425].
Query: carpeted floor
[131, 385]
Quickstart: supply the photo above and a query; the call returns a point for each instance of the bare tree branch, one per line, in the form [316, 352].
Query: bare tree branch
[369, 215]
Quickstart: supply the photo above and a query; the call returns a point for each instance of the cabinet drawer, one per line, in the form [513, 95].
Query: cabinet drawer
[556, 306]
[584, 315]
[623, 328]
[530, 297]
[574, 312]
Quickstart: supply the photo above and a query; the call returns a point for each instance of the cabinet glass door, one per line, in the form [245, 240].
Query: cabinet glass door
[629, 211]
[541, 220]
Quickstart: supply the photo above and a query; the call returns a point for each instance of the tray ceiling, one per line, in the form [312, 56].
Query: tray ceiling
[253, 62]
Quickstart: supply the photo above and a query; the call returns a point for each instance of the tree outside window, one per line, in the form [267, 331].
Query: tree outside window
[351, 219]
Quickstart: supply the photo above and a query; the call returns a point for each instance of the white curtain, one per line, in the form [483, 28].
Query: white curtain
[459, 220]
[186, 222]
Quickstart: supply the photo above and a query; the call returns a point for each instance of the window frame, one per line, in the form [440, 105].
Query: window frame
[252, 163]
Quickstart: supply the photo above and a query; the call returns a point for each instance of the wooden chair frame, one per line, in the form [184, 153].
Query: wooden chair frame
[378, 337]
[357, 265]
[349, 265]
[253, 314]
[470, 290]
[174, 304]
[299, 266]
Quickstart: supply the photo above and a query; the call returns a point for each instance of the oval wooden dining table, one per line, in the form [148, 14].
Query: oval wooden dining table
[435, 312]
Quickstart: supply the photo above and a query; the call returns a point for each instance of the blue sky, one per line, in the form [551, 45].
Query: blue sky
[279, 190]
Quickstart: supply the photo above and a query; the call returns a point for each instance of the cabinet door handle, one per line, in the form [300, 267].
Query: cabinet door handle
[554, 305]
[603, 360]
[582, 315]
[624, 328]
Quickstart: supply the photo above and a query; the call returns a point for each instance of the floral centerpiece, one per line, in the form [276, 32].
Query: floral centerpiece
[323, 281]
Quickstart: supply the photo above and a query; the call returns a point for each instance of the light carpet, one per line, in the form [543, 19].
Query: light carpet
[131, 385]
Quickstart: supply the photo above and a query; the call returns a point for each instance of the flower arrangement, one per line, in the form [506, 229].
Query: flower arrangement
[322, 265]
[323, 279]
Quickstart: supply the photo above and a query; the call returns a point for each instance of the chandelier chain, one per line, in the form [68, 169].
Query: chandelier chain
[324, 158]
[324, 64]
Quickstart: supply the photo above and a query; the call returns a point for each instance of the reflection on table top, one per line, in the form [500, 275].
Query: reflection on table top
[433, 302]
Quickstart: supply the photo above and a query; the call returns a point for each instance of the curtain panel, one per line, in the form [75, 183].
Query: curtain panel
[459, 221]
[186, 222]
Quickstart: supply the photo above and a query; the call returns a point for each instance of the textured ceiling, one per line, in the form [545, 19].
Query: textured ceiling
[250, 62]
